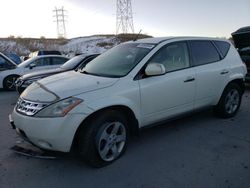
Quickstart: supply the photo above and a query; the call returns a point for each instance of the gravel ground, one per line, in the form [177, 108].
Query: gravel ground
[197, 151]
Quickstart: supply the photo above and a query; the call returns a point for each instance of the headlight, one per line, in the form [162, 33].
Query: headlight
[60, 108]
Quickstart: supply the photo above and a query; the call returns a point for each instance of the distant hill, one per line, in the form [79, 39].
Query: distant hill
[90, 44]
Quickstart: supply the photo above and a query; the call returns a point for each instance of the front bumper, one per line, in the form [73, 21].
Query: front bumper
[54, 134]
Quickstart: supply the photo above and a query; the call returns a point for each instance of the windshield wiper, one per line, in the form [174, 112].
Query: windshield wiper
[85, 72]
[101, 75]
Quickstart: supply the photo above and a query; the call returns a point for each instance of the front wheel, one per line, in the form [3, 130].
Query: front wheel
[104, 138]
[230, 101]
[9, 82]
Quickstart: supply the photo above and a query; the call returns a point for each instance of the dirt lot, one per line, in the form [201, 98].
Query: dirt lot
[197, 151]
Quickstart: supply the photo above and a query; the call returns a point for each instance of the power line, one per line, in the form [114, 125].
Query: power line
[60, 17]
[124, 17]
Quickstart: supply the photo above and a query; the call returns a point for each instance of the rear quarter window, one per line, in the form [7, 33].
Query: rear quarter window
[223, 47]
[203, 52]
[42, 62]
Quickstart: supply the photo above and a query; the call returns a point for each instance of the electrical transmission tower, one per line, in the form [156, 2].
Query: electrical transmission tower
[60, 17]
[124, 17]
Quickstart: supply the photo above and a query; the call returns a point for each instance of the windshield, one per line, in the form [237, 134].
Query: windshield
[27, 62]
[14, 57]
[5, 63]
[118, 61]
[72, 63]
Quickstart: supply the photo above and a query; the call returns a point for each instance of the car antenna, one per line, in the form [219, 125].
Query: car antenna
[137, 36]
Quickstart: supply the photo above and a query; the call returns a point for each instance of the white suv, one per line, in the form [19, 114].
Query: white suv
[131, 86]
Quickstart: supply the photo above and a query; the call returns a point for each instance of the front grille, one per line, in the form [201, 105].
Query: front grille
[29, 108]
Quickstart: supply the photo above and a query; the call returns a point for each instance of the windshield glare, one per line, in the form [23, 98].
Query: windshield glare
[118, 61]
[72, 63]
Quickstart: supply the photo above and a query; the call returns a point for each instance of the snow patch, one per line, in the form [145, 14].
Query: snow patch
[92, 44]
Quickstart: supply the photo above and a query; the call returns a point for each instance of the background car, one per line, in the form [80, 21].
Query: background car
[76, 62]
[9, 76]
[241, 39]
[245, 56]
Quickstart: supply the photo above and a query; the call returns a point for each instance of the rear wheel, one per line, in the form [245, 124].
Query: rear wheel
[104, 138]
[9, 82]
[230, 101]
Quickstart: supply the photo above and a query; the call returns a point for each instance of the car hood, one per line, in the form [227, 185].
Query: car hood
[42, 73]
[60, 86]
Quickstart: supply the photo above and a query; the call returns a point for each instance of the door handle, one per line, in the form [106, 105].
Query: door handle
[189, 79]
[224, 72]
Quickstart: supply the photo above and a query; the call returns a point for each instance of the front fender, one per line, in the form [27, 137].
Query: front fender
[117, 101]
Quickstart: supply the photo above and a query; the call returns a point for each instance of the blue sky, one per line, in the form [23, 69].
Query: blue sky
[217, 18]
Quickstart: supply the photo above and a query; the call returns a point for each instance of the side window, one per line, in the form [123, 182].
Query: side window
[203, 52]
[42, 62]
[223, 47]
[174, 56]
[58, 60]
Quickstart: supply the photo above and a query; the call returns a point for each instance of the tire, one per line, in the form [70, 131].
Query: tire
[20, 90]
[103, 139]
[230, 101]
[9, 82]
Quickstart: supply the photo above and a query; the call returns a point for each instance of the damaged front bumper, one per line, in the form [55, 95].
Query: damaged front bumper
[55, 134]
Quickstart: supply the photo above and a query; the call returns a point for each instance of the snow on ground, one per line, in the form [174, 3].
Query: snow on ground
[92, 44]
[9, 46]
[89, 44]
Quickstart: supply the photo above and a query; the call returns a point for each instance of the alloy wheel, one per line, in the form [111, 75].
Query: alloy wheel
[232, 101]
[111, 141]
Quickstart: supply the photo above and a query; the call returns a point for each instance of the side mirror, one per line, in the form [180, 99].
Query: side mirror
[155, 69]
[32, 65]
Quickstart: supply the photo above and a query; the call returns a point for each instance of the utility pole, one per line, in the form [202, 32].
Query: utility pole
[60, 16]
[124, 17]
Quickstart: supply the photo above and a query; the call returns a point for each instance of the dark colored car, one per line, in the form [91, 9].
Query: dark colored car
[241, 39]
[245, 56]
[6, 63]
[77, 62]
[44, 52]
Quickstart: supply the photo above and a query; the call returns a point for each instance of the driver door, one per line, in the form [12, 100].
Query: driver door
[39, 64]
[173, 93]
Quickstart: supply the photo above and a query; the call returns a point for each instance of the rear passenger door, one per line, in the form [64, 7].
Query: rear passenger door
[210, 69]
